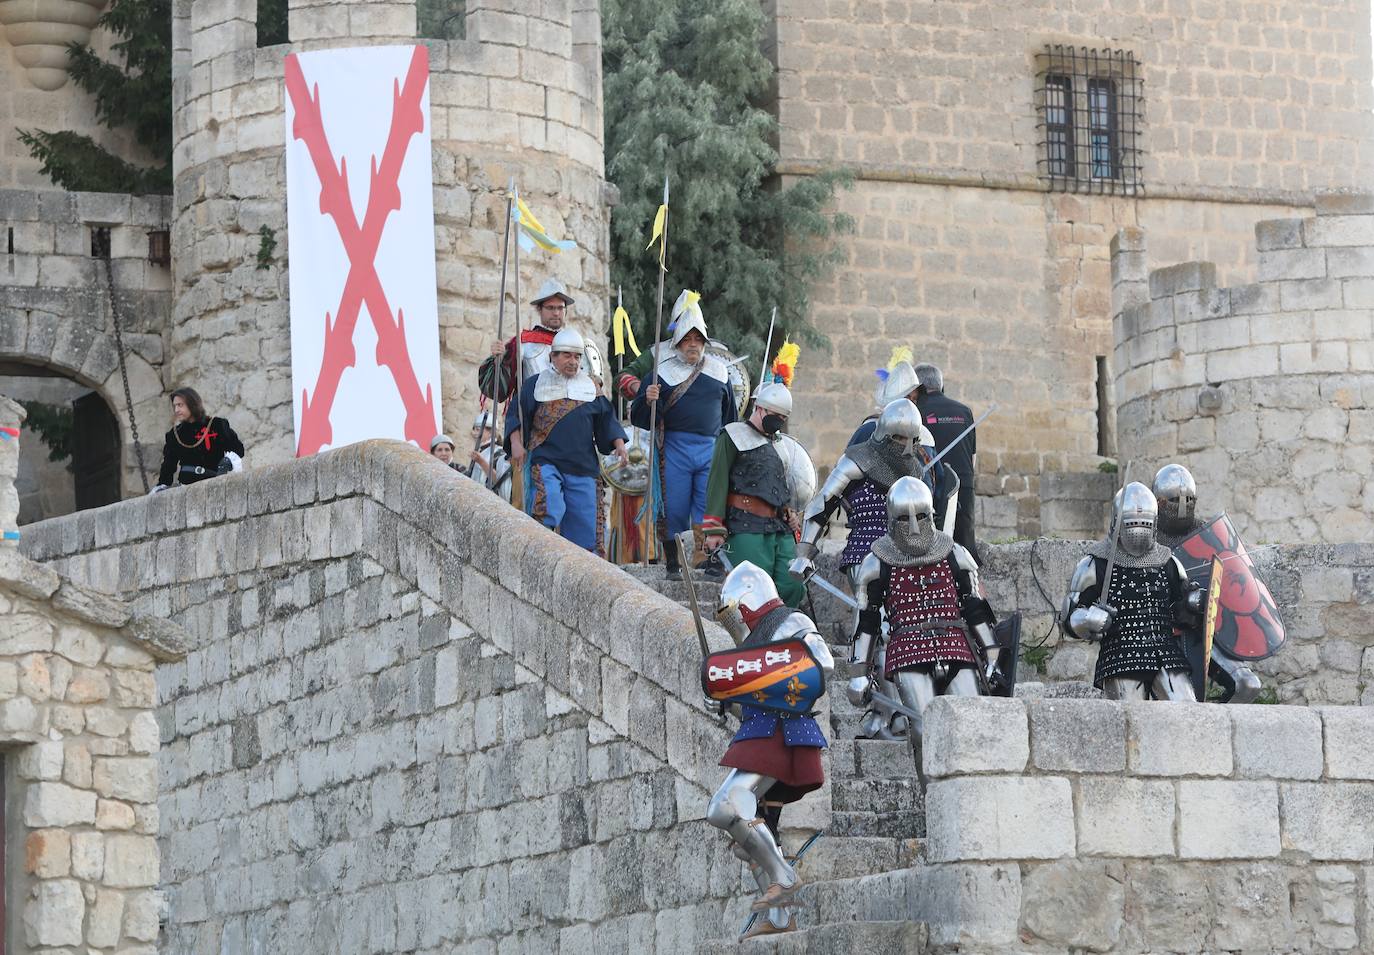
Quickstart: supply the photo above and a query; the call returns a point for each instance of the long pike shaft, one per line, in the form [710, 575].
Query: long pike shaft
[497, 366]
[655, 465]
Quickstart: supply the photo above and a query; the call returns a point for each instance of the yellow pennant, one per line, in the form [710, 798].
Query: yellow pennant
[622, 332]
[660, 217]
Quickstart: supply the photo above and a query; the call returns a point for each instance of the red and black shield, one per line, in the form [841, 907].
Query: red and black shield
[1247, 625]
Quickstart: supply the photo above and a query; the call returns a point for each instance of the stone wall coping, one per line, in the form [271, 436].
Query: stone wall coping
[162, 639]
[76, 208]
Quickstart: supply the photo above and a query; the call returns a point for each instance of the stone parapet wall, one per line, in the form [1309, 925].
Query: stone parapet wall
[404, 697]
[1265, 391]
[1324, 592]
[519, 97]
[55, 300]
[1091, 825]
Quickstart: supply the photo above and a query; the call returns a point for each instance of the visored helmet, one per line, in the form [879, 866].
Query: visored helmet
[745, 590]
[900, 425]
[911, 515]
[1135, 512]
[1175, 493]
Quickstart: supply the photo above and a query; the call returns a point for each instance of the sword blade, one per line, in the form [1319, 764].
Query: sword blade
[685, 557]
[917, 723]
[833, 591]
[1112, 545]
[955, 443]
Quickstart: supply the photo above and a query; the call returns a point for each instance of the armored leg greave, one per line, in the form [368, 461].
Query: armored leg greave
[1125, 688]
[1173, 686]
[963, 683]
[1245, 685]
[734, 808]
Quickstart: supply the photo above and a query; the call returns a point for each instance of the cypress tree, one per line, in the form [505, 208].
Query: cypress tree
[685, 85]
[136, 96]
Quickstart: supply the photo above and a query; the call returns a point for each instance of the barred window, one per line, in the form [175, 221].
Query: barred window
[1091, 117]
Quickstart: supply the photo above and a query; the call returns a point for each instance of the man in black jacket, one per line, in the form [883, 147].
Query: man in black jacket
[946, 418]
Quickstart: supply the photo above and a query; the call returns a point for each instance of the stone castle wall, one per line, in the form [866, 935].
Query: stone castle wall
[520, 96]
[401, 733]
[55, 304]
[958, 250]
[1088, 825]
[24, 105]
[1265, 390]
[77, 693]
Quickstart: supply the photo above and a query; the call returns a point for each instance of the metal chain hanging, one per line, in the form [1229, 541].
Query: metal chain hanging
[124, 371]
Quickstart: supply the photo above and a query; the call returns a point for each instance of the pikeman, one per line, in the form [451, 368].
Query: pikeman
[941, 640]
[1246, 627]
[859, 483]
[1130, 592]
[566, 421]
[695, 401]
[487, 464]
[551, 308]
[775, 675]
[751, 492]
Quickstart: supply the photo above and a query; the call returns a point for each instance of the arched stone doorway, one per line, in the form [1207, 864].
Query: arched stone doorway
[69, 447]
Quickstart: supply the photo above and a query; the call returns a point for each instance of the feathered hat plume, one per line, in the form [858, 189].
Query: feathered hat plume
[899, 354]
[786, 362]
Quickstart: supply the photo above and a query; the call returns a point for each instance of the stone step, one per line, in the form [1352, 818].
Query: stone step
[870, 938]
[901, 824]
[870, 758]
[848, 857]
[877, 795]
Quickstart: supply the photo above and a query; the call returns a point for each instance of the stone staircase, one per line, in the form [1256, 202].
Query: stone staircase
[855, 898]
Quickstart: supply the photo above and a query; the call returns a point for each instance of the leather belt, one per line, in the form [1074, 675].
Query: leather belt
[752, 505]
[195, 469]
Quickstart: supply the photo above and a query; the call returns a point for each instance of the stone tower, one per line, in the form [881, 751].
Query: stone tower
[1265, 390]
[519, 96]
[998, 146]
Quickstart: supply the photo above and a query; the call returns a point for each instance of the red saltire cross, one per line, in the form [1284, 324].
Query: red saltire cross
[363, 285]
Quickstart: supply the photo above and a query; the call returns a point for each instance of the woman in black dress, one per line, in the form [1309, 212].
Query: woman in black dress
[198, 446]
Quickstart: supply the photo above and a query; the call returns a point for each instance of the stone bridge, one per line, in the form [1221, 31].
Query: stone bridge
[411, 720]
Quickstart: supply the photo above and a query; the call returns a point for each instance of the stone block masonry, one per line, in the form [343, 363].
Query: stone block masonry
[519, 97]
[404, 698]
[77, 697]
[1280, 371]
[1182, 834]
[55, 307]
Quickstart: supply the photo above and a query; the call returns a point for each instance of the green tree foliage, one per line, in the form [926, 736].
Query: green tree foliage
[272, 22]
[136, 96]
[53, 424]
[685, 89]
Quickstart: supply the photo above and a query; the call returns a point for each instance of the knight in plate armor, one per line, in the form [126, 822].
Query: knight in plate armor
[753, 490]
[695, 401]
[899, 380]
[565, 423]
[775, 757]
[859, 484]
[1175, 494]
[1147, 595]
[940, 640]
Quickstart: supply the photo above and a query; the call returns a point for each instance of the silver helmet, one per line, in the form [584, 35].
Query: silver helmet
[900, 382]
[568, 339]
[774, 397]
[899, 426]
[911, 515]
[1133, 519]
[745, 589]
[1176, 494]
[550, 289]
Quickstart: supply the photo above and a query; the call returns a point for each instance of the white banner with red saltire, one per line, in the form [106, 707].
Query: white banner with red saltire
[360, 209]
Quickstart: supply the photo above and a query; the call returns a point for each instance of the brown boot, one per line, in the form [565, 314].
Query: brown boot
[763, 925]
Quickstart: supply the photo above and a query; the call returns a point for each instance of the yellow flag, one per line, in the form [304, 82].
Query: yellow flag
[622, 332]
[659, 218]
